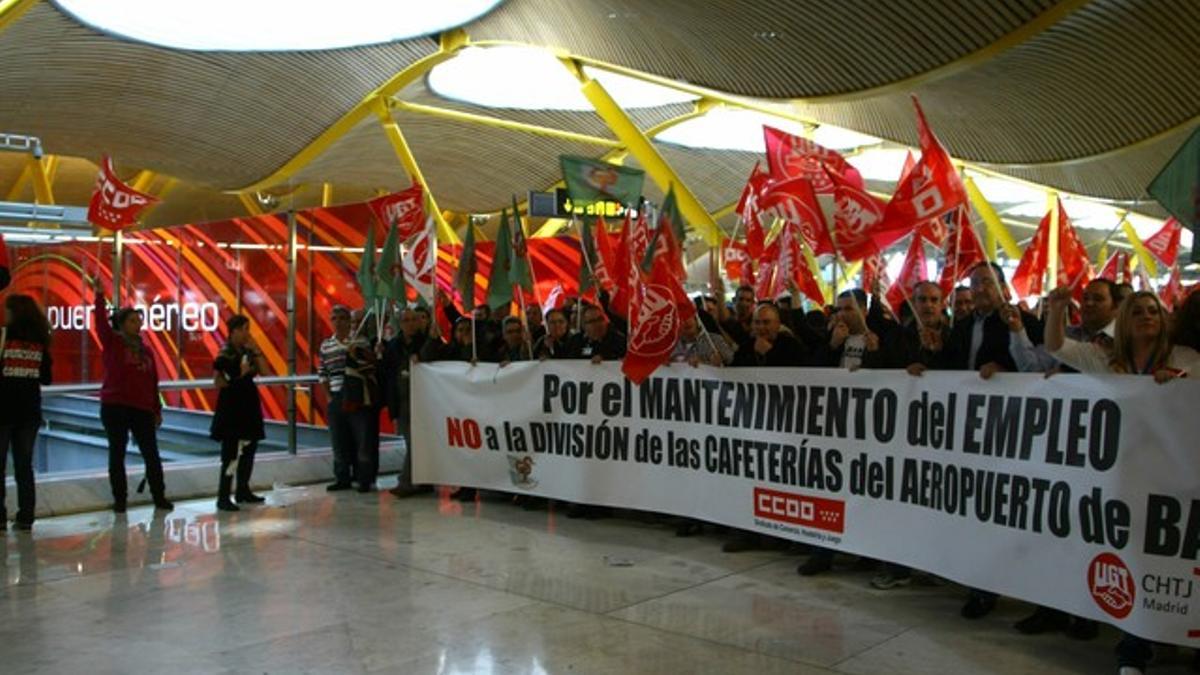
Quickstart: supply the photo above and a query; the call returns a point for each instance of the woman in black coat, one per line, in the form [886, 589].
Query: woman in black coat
[238, 420]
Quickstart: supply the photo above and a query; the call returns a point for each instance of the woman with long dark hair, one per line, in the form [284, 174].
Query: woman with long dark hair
[129, 402]
[238, 420]
[24, 368]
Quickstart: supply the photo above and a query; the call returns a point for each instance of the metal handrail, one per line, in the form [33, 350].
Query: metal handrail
[86, 387]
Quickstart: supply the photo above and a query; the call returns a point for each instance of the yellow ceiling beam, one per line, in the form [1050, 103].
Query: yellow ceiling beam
[1143, 254]
[11, 10]
[449, 44]
[404, 153]
[995, 227]
[641, 147]
[252, 206]
[500, 123]
[143, 179]
[326, 194]
[18, 188]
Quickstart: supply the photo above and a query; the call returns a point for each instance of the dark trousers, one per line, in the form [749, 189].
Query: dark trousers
[404, 480]
[119, 422]
[1134, 651]
[349, 433]
[21, 438]
[245, 466]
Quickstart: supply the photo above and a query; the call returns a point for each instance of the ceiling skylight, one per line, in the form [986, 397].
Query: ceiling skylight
[736, 129]
[529, 78]
[272, 25]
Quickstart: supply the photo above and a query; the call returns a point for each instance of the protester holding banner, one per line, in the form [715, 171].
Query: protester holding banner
[554, 344]
[238, 420]
[700, 344]
[961, 303]
[24, 367]
[462, 346]
[1141, 346]
[398, 356]
[599, 341]
[129, 402]
[515, 345]
[852, 345]
[769, 346]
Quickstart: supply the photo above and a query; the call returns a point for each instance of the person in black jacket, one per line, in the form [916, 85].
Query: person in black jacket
[599, 341]
[238, 420]
[460, 348]
[769, 345]
[852, 344]
[24, 368]
[555, 344]
[981, 343]
[398, 355]
[514, 346]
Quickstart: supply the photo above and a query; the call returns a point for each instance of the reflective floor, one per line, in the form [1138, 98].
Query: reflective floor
[365, 583]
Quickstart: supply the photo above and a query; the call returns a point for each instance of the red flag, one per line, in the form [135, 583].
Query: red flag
[911, 274]
[405, 208]
[738, 266]
[874, 274]
[793, 270]
[620, 272]
[5, 271]
[748, 209]
[857, 213]
[765, 274]
[668, 250]
[1118, 268]
[795, 202]
[1074, 268]
[115, 205]
[1164, 244]
[1172, 293]
[443, 321]
[605, 256]
[791, 156]
[556, 300]
[931, 189]
[909, 163]
[657, 311]
[961, 252]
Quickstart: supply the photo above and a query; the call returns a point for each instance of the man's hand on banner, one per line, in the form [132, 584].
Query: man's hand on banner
[987, 370]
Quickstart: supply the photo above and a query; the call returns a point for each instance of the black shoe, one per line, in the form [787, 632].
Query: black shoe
[250, 498]
[163, 504]
[1086, 629]
[226, 505]
[978, 606]
[576, 511]
[338, 487]
[465, 494]
[689, 529]
[22, 526]
[815, 564]
[535, 503]
[742, 543]
[118, 507]
[404, 492]
[365, 488]
[1043, 620]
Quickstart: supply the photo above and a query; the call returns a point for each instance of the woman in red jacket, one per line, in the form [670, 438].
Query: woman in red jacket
[129, 400]
[24, 368]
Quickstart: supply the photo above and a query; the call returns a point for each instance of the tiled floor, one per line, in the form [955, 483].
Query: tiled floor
[365, 583]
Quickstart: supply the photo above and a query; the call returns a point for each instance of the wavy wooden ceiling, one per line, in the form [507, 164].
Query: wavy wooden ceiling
[1090, 97]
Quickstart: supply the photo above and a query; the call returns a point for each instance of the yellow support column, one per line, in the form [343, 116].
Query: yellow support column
[1052, 255]
[995, 228]
[1143, 255]
[404, 154]
[326, 194]
[643, 149]
[43, 171]
[252, 207]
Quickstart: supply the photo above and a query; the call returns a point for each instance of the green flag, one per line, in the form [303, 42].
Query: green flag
[1177, 186]
[519, 274]
[464, 278]
[500, 288]
[670, 211]
[389, 273]
[590, 180]
[366, 268]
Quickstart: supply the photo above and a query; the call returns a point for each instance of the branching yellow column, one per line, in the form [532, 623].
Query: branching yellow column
[252, 207]
[43, 171]
[1143, 254]
[404, 154]
[643, 149]
[995, 228]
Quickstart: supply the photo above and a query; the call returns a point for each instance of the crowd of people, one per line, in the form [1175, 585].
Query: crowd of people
[1113, 329]
[364, 375]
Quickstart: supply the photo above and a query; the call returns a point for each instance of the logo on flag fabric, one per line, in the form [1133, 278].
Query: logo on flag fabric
[657, 322]
[1111, 585]
[114, 204]
[791, 156]
[406, 209]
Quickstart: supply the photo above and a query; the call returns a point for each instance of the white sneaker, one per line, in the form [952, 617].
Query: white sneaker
[886, 581]
[1130, 670]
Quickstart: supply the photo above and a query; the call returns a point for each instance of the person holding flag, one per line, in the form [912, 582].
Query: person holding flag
[398, 355]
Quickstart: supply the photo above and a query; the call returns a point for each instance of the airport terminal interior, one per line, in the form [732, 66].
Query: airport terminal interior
[599, 336]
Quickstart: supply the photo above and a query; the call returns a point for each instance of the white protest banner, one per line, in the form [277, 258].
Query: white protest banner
[1078, 492]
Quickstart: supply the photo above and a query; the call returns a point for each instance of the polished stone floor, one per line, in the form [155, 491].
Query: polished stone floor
[365, 583]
